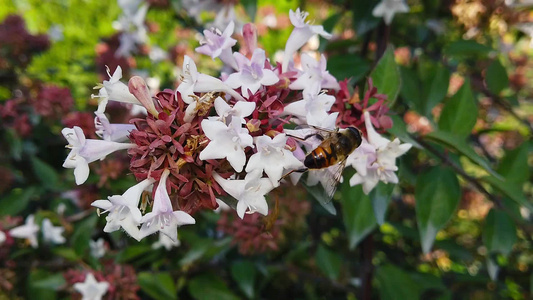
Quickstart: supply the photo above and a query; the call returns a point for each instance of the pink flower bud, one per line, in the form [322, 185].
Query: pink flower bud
[249, 32]
[140, 90]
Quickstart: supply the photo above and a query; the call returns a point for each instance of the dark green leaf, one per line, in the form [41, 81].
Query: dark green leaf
[67, 253]
[459, 114]
[511, 190]
[438, 88]
[15, 144]
[82, 234]
[410, 90]
[250, 6]
[36, 292]
[132, 252]
[157, 285]
[514, 167]
[358, 214]
[381, 197]
[496, 77]
[386, 76]
[328, 262]
[437, 194]
[458, 143]
[348, 66]
[499, 234]
[16, 201]
[209, 286]
[244, 273]
[396, 284]
[467, 47]
[52, 282]
[320, 195]
[363, 21]
[46, 173]
[197, 251]
[400, 131]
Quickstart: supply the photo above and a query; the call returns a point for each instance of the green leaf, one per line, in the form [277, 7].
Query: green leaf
[511, 190]
[459, 114]
[396, 284]
[358, 213]
[458, 143]
[386, 76]
[67, 253]
[38, 292]
[132, 252]
[499, 233]
[197, 251]
[320, 195]
[496, 77]
[157, 285]
[514, 166]
[467, 47]
[410, 90]
[438, 88]
[363, 20]
[17, 200]
[328, 262]
[52, 282]
[399, 129]
[250, 6]
[348, 66]
[244, 273]
[210, 286]
[381, 197]
[82, 234]
[46, 173]
[437, 194]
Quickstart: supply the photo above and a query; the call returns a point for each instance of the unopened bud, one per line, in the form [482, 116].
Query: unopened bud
[253, 125]
[249, 33]
[140, 90]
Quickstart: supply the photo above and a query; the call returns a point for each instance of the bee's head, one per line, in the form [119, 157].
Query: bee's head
[356, 134]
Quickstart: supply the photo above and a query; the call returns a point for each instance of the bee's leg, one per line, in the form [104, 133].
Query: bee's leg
[318, 136]
[297, 170]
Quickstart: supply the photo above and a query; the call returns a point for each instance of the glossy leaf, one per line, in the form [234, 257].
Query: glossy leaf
[496, 77]
[410, 90]
[459, 114]
[458, 143]
[358, 214]
[348, 66]
[209, 286]
[499, 234]
[381, 197]
[437, 88]
[386, 76]
[244, 273]
[157, 285]
[82, 234]
[395, 284]
[437, 194]
[328, 262]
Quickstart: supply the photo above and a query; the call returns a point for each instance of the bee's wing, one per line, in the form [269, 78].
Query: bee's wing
[333, 181]
[324, 191]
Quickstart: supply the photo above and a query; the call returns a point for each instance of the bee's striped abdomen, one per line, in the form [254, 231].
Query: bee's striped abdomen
[321, 157]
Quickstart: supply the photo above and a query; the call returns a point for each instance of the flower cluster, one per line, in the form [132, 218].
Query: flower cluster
[217, 137]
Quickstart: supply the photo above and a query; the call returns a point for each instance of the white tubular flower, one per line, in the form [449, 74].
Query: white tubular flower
[301, 33]
[163, 218]
[252, 73]
[97, 248]
[115, 90]
[272, 157]
[250, 192]
[91, 289]
[124, 209]
[111, 132]
[218, 44]
[134, 32]
[53, 233]
[27, 231]
[239, 111]
[375, 160]
[314, 74]
[84, 151]
[194, 82]
[226, 141]
[388, 8]
[312, 108]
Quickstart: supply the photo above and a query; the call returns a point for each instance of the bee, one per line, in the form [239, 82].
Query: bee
[331, 154]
